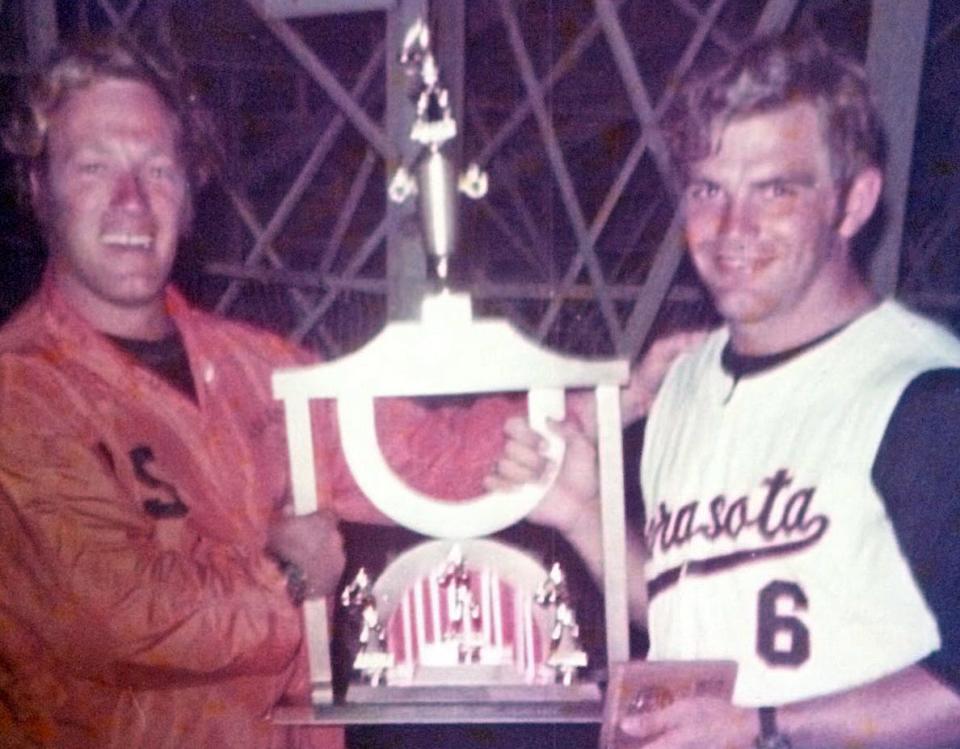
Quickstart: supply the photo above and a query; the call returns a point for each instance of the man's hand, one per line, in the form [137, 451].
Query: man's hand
[693, 723]
[523, 459]
[572, 505]
[313, 544]
[575, 491]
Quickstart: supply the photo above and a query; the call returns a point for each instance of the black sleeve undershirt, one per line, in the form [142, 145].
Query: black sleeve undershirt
[917, 472]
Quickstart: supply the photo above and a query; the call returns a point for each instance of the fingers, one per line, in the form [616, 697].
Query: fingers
[568, 429]
[522, 461]
[582, 406]
[524, 458]
[652, 730]
[300, 538]
[518, 430]
[643, 725]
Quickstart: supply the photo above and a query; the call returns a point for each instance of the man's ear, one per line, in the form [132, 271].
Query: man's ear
[187, 214]
[38, 195]
[860, 202]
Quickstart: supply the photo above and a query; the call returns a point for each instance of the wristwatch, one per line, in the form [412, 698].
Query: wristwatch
[296, 582]
[770, 737]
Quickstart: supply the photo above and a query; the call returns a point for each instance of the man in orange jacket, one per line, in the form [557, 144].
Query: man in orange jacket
[144, 598]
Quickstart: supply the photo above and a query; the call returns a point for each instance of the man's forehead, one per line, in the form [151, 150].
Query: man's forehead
[791, 136]
[98, 111]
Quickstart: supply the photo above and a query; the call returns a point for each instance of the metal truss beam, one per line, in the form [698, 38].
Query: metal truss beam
[561, 174]
[328, 82]
[265, 236]
[280, 9]
[641, 318]
[40, 23]
[896, 85]
[563, 66]
[120, 20]
[636, 88]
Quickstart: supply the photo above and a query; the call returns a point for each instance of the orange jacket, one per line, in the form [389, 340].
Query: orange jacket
[122, 628]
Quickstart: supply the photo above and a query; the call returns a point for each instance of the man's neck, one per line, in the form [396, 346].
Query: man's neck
[144, 322]
[833, 311]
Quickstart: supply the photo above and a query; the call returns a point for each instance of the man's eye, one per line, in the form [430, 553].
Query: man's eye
[160, 171]
[93, 167]
[780, 190]
[703, 191]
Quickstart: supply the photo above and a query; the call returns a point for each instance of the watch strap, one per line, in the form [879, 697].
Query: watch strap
[768, 722]
[770, 737]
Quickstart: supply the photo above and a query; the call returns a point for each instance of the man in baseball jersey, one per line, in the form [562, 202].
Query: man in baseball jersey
[150, 571]
[799, 473]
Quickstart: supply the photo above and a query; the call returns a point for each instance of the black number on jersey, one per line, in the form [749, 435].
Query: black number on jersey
[171, 506]
[782, 640]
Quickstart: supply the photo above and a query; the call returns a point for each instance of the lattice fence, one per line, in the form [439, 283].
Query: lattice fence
[578, 240]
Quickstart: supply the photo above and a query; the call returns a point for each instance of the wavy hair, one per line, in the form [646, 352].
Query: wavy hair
[773, 73]
[77, 67]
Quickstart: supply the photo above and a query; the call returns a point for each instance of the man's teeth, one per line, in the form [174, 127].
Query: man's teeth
[124, 238]
[739, 262]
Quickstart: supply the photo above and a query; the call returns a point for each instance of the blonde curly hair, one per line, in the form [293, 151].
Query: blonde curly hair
[80, 66]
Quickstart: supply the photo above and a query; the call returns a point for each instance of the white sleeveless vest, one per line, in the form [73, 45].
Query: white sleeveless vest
[769, 543]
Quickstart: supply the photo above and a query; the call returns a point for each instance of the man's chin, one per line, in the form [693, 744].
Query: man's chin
[739, 307]
[137, 295]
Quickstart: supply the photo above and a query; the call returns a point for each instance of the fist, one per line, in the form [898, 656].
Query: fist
[314, 545]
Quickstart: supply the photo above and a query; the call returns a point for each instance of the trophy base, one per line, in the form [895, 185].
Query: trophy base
[467, 674]
[473, 694]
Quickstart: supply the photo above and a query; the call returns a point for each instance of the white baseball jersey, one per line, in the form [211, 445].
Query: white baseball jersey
[769, 543]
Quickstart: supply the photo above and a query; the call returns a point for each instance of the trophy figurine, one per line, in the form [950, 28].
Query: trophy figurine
[372, 659]
[464, 610]
[566, 655]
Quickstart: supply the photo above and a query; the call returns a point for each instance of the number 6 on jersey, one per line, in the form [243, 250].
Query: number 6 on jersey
[782, 640]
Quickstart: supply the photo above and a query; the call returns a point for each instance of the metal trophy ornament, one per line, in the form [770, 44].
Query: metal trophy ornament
[566, 655]
[459, 628]
[372, 659]
[434, 125]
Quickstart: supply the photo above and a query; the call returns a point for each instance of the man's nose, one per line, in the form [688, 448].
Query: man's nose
[128, 192]
[737, 218]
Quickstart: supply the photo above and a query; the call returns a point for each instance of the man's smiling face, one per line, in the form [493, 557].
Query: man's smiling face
[113, 197]
[762, 219]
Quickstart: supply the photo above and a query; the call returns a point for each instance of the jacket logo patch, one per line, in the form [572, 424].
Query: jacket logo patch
[167, 506]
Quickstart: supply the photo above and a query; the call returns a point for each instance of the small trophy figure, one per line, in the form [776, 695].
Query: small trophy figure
[566, 655]
[372, 659]
[464, 611]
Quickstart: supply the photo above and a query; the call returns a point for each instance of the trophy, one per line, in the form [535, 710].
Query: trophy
[461, 627]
